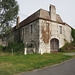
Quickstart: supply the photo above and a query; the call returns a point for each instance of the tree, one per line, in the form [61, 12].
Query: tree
[8, 14]
[73, 34]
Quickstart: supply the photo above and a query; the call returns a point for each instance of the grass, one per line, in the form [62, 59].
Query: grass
[10, 65]
[72, 51]
[8, 54]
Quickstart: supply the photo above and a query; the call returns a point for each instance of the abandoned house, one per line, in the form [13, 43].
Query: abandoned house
[44, 31]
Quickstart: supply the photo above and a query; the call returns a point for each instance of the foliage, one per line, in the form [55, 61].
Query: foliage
[10, 65]
[17, 47]
[8, 13]
[1, 48]
[68, 47]
[73, 33]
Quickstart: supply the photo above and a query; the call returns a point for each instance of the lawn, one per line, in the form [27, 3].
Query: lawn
[10, 65]
[73, 51]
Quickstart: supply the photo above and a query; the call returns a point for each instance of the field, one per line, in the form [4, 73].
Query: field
[10, 65]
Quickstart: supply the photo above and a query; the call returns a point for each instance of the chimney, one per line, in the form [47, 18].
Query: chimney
[52, 12]
[17, 23]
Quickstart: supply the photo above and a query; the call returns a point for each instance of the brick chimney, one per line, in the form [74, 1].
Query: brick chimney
[17, 23]
[52, 10]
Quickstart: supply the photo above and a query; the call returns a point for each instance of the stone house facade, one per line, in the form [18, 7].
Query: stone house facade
[44, 30]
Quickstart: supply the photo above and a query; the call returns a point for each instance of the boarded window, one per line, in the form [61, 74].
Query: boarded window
[60, 29]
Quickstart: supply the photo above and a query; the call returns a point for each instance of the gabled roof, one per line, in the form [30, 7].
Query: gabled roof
[43, 14]
[58, 19]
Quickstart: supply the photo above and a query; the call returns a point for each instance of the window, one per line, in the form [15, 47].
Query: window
[60, 29]
[31, 29]
[23, 32]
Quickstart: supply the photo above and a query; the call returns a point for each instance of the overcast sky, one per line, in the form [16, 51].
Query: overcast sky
[65, 8]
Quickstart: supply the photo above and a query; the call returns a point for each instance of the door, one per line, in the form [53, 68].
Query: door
[54, 44]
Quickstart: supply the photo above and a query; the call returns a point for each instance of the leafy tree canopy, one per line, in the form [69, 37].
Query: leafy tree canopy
[8, 13]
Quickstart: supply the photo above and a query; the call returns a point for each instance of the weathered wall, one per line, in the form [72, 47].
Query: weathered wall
[49, 30]
[31, 35]
[44, 36]
[41, 34]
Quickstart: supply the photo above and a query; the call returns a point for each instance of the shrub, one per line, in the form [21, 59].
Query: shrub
[1, 48]
[68, 47]
[17, 47]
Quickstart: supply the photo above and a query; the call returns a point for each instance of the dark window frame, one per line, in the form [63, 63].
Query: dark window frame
[23, 31]
[31, 28]
[60, 29]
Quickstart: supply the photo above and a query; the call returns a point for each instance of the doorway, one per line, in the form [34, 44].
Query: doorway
[54, 44]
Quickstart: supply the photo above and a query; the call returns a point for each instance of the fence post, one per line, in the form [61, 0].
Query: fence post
[34, 50]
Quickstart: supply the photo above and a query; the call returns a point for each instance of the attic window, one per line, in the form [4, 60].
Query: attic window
[60, 29]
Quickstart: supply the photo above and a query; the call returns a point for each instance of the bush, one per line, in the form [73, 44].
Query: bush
[17, 47]
[1, 48]
[68, 47]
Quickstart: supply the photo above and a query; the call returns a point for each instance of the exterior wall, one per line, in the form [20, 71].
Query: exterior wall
[49, 30]
[67, 33]
[29, 35]
[16, 35]
[44, 36]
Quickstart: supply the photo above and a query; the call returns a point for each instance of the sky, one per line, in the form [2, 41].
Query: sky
[65, 8]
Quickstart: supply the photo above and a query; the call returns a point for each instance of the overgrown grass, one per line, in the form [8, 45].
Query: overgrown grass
[16, 64]
[9, 54]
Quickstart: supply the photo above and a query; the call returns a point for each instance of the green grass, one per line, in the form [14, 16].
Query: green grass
[10, 65]
[72, 51]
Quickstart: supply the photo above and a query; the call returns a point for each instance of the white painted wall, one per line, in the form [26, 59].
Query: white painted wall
[55, 33]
